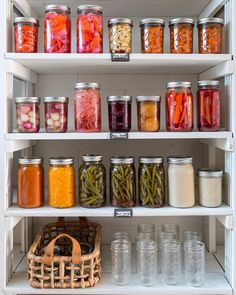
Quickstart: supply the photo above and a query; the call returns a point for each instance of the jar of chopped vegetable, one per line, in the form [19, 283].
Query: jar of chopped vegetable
[122, 182]
[92, 182]
[61, 182]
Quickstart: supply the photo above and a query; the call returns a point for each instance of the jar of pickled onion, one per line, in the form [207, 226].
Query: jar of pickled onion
[26, 34]
[89, 29]
[57, 29]
[87, 107]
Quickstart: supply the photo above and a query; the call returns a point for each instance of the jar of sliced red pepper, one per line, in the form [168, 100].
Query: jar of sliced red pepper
[208, 106]
[57, 29]
[87, 107]
[179, 106]
[89, 29]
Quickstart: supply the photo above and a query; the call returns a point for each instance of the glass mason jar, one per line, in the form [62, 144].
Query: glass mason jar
[122, 182]
[210, 35]
[181, 35]
[208, 106]
[56, 113]
[171, 228]
[26, 34]
[151, 182]
[192, 236]
[120, 35]
[61, 182]
[144, 236]
[30, 183]
[147, 228]
[148, 113]
[210, 187]
[179, 106]
[57, 29]
[119, 112]
[121, 236]
[181, 182]
[152, 35]
[27, 114]
[89, 29]
[87, 107]
[92, 182]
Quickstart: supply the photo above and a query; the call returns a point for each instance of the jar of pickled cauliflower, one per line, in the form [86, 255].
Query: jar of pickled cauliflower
[28, 114]
[61, 182]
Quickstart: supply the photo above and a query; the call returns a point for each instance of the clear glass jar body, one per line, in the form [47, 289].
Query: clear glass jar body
[144, 236]
[119, 113]
[148, 116]
[120, 37]
[147, 228]
[152, 38]
[56, 116]
[28, 117]
[121, 236]
[181, 38]
[192, 235]
[171, 228]
[210, 38]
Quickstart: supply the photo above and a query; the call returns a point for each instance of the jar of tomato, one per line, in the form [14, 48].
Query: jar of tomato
[208, 106]
[179, 106]
[57, 29]
[89, 29]
[30, 183]
[26, 34]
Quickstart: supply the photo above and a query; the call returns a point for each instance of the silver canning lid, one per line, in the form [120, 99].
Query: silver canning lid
[178, 84]
[56, 99]
[181, 20]
[30, 20]
[210, 20]
[91, 158]
[89, 7]
[61, 161]
[119, 98]
[30, 161]
[114, 21]
[179, 160]
[208, 172]
[122, 160]
[57, 7]
[152, 21]
[87, 85]
[208, 83]
[151, 160]
[26, 99]
[148, 98]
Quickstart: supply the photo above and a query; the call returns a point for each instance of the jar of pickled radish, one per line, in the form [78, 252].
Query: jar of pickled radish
[119, 112]
[152, 35]
[120, 35]
[179, 106]
[210, 35]
[87, 107]
[56, 114]
[27, 114]
[181, 35]
[26, 34]
[61, 182]
[57, 29]
[148, 113]
[208, 106]
[30, 183]
[89, 29]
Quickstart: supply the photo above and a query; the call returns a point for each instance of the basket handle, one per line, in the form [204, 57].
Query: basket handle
[49, 251]
[82, 220]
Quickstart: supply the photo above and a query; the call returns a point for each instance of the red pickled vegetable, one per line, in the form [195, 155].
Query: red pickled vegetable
[26, 37]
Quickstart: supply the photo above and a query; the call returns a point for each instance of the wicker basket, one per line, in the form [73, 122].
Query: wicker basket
[77, 270]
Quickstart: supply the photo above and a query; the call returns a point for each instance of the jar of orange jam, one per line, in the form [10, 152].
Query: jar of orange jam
[61, 182]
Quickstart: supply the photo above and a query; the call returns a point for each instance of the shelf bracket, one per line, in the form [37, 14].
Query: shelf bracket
[13, 145]
[24, 8]
[219, 71]
[225, 144]
[212, 8]
[226, 221]
[11, 222]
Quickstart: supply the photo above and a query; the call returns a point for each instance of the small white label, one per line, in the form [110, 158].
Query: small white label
[115, 135]
[120, 57]
[123, 213]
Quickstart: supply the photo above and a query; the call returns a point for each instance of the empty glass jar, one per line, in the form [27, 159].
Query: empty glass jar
[171, 228]
[147, 228]
[192, 235]
[121, 236]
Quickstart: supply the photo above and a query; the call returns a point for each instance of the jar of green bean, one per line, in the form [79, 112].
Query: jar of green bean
[122, 182]
[92, 182]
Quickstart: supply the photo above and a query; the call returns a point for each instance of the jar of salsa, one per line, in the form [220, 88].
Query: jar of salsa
[30, 183]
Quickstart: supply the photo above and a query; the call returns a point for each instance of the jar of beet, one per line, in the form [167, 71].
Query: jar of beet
[179, 106]
[119, 112]
[57, 29]
[208, 106]
[56, 114]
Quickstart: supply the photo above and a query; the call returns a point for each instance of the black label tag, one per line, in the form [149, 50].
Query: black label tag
[116, 135]
[123, 213]
[120, 57]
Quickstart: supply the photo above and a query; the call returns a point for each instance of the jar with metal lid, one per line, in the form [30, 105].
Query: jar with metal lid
[181, 182]
[148, 111]
[151, 182]
[26, 34]
[57, 29]
[122, 182]
[120, 35]
[61, 182]
[208, 106]
[181, 35]
[210, 32]
[119, 112]
[210, 187]
[92, 182]
[152, 35]
[87, 107]
[89, 29]
[179, 106]
[28, 114]
[56, 113]
[30, 183]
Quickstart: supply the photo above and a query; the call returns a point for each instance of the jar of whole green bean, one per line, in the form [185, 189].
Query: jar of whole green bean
[151, 182]
[122, 182]
[92, 182]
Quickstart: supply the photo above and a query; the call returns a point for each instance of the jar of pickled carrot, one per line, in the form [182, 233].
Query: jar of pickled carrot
[89, 29]
[87, 107]
[179, 106]
[30, 183]
[26, 34]
[61, 182]
[57, 29]
[148, 113]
